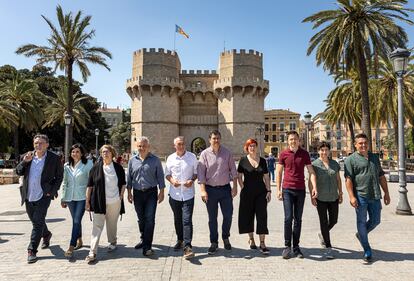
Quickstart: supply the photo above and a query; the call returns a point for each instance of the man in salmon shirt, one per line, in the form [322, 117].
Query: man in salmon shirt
[292, 163]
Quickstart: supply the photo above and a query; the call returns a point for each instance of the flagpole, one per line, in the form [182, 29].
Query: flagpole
[175, 34]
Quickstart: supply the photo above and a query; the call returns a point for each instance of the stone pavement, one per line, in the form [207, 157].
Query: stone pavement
[392, 241]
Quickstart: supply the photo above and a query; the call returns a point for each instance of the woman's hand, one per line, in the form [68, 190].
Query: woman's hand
[63, 204]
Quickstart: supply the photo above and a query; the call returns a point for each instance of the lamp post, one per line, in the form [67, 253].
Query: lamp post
[68, 121]
[96, 143]
[105, 139]
[260, 130]
[308, 121]
[399, 59]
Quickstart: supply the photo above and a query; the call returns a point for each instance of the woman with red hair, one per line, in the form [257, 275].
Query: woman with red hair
[254, 196]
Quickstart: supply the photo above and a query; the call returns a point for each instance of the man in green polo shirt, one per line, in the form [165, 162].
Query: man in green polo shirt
[363, 178]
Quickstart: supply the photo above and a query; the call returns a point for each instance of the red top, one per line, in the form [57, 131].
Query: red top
[294, 168]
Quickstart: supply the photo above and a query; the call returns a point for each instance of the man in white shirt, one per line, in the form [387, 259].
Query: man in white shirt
[181, 172]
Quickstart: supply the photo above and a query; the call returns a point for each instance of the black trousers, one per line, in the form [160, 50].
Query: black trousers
[253, 203]
[37, 214]
[328, 217]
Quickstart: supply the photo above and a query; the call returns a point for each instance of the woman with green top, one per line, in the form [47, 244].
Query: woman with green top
[329, 195]
[75, 180]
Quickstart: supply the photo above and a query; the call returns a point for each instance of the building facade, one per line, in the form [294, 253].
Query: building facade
[168, 101]
[277, 123]
[113, 116]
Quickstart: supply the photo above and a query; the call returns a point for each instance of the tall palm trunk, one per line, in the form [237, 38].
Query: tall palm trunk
[70, 102]
[363, 78]
[352, 132]
[16, 142]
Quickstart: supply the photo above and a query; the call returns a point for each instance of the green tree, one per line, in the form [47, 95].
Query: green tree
[24, 99]
[354, 31]
[56, 108]
[68, 46]
[385, 96]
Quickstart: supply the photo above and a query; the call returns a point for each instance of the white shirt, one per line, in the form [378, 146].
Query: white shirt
[181, 168]
[111, 184]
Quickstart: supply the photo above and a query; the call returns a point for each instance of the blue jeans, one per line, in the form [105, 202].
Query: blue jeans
[372, 207]
[145, 203]
[37, 211]
[272, 174]
[219, 195]
[183, 219]
[293, 201]
[77, 209]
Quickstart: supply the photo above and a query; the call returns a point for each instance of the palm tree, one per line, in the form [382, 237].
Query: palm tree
[67, 47]
[357, 28]
[56, 108]
[8, 117]
[343, 103]
[385, 100]
[24, 101]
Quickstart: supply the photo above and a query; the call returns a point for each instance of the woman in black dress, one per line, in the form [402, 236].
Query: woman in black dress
[254, 196]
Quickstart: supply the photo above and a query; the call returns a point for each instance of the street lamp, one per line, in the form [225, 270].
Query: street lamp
[96, 143]
[260, 129]
[399, 59]
[308, 121]
[105, 139]
[68, 121]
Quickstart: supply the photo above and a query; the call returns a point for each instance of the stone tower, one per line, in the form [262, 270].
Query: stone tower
[241, 91]
[168, 101]
[154, 89]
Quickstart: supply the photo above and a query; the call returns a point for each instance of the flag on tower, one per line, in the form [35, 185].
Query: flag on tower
[181, 31]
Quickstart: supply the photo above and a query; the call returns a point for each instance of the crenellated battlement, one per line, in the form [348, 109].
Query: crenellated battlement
[155, 51]
[198, 72]
[250, 52]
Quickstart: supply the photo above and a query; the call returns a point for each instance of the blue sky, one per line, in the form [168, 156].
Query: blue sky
[271, 27]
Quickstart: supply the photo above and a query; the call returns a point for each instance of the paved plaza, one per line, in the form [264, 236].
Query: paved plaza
[392, 241]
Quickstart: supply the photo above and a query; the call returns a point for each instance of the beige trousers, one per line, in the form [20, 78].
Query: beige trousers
[111, 218]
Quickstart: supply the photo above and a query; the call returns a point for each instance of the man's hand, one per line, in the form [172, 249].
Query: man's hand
[354, 202]
[28, 156]
[387, 199]
[314, 203]
[189, 183]
[204, 196]
[130, 197]
[88, 206]
[175, 182]
[63, 204]
[279, 195]
[161, 196]
[234, 192]
[340, 199]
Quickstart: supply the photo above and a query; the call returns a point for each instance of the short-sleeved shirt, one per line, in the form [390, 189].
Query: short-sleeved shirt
[326, 180]
[294, 164]
[365, 174]
[253, 177]
[182, 168]
[216, 169]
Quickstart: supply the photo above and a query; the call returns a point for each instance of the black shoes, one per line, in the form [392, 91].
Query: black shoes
[286, 253]
[178, 245]
[31, 257]
[139, 245]
[227, 244]
[46, 241]
[298, 253]
[213, 248]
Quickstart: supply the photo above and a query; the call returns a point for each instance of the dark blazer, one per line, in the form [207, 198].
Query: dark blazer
[52, 175]
[97, 182]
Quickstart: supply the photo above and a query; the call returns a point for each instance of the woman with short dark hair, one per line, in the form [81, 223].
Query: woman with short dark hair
[329, 196]
[254, 195]
[75, 179]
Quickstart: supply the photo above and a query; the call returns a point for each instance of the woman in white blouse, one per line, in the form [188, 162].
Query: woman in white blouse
[75, 179]
[104, 197]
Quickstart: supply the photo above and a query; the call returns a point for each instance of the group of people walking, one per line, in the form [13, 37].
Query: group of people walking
[99, 188]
